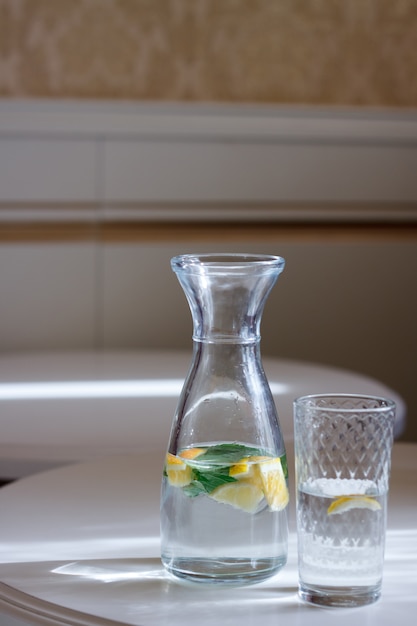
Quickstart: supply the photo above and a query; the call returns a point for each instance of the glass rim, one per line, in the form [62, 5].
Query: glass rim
[226, 261]
[385, 404]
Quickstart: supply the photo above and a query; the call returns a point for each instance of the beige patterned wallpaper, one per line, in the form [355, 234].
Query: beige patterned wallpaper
[334, 52]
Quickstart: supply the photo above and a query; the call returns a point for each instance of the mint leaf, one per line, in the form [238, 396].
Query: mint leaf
[212, 479]
[211, 469]
[229, 453]
[193, 489]
[284, 465]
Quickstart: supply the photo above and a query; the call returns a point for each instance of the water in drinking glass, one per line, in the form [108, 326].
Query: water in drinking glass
[342, 456]
[341, 525]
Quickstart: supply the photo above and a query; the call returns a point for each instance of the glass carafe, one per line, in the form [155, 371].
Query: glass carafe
[224, 490]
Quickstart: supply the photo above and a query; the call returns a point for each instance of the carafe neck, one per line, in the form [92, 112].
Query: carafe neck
[227, 293]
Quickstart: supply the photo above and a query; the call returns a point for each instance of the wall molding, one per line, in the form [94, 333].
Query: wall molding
[78, 118]
[203, 213]
[192, 232]
[115, 162]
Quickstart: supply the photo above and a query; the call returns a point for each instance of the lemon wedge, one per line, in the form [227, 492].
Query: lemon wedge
[247, 467]
[178, 472]
[241, 495]
[242, 469]
[192, 453]
[346, 503]
[265, 473]
[273, 482]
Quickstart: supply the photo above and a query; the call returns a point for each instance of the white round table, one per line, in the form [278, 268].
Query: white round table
[80, 545]
[65, 407]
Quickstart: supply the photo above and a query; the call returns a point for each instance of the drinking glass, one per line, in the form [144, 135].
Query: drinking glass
[342, 464]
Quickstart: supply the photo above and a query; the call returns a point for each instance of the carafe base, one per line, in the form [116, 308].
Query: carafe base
[224, 571]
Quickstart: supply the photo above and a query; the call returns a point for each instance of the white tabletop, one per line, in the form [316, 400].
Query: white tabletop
[80, 545]
[63, 407]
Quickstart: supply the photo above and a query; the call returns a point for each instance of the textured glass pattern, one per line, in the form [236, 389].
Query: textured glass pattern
[342, 458]
[345, 437]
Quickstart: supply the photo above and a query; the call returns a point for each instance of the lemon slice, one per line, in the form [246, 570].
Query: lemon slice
[273, 483]
[192, 453]
[242, 469]
[265, 473]
[178, 472]
[247, 468]
[241, 495]
[346, 503]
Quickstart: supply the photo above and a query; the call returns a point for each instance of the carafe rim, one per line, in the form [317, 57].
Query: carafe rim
[226, 262]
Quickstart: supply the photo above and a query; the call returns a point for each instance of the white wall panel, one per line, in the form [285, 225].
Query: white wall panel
[47, 296]
[43, 170]
[124, 157]
[221, 171]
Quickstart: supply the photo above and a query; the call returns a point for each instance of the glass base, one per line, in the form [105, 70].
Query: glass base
[224, 571]
[339, 596]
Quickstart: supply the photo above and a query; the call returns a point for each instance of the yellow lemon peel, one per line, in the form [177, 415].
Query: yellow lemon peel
[346, 503]
[242, 469]
[192, 453]
[274, 484]
[172, 459]
[178, 472]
